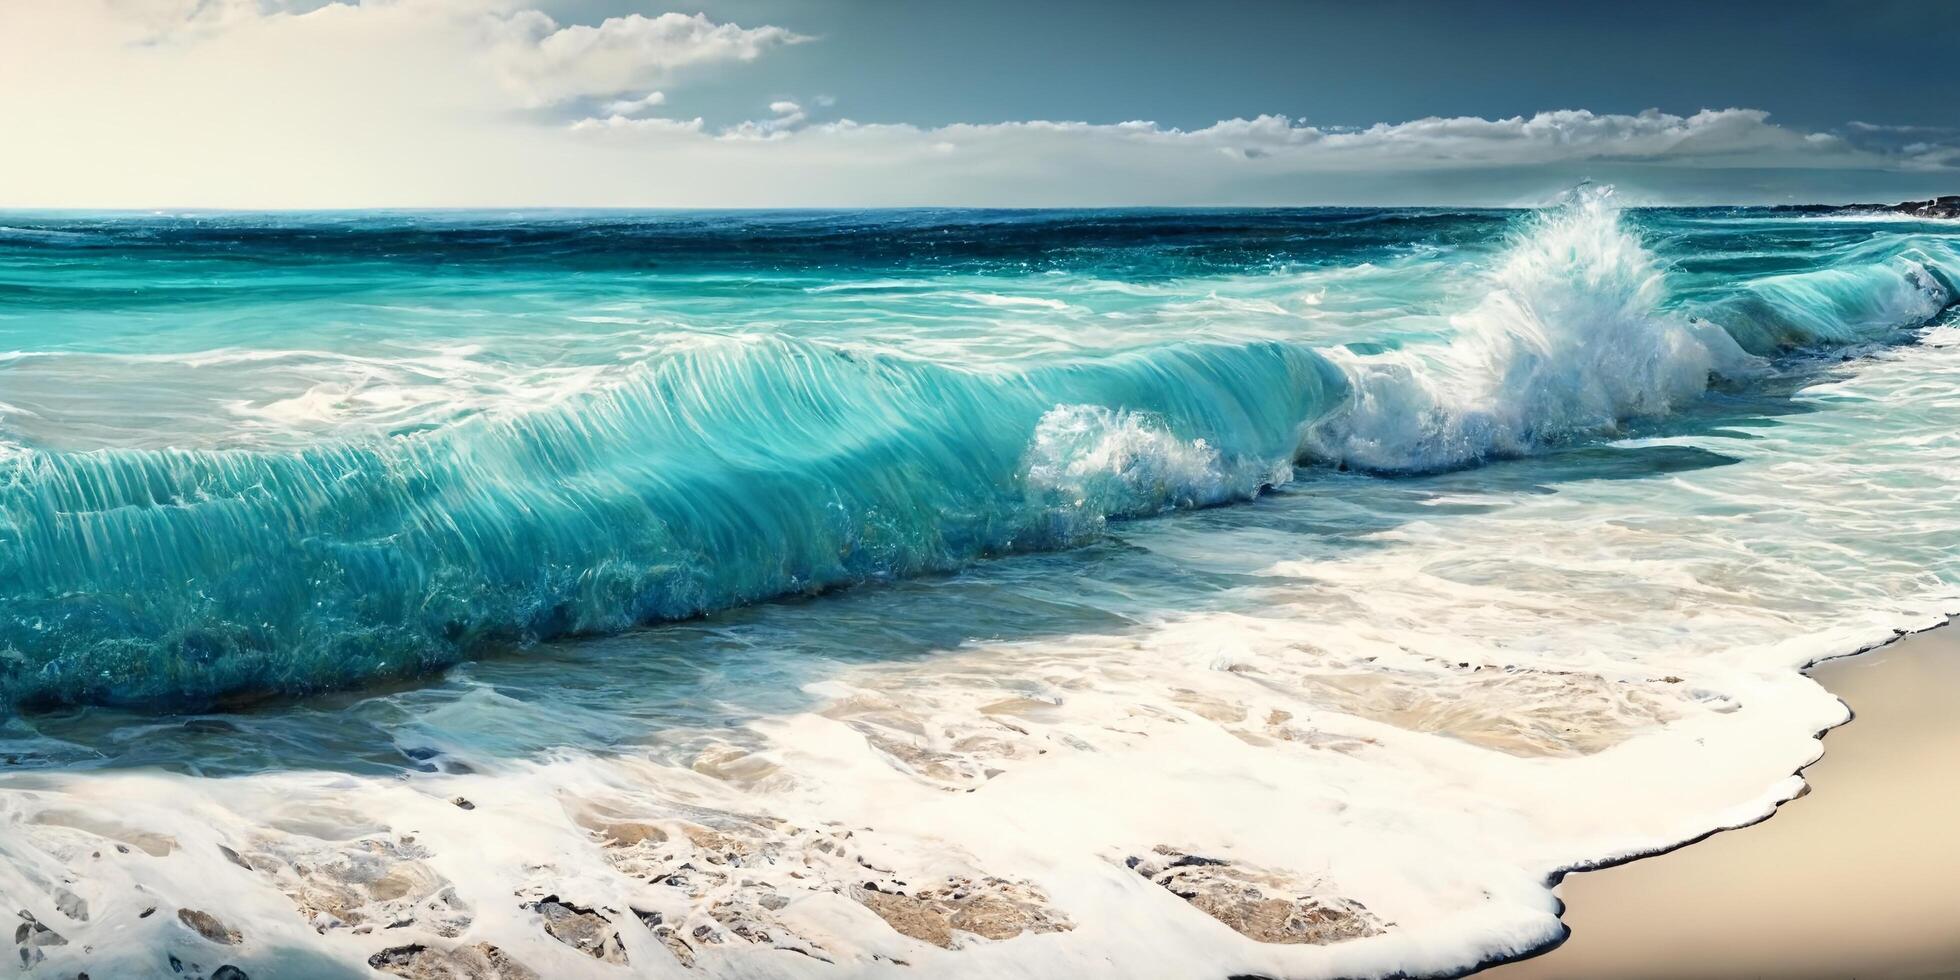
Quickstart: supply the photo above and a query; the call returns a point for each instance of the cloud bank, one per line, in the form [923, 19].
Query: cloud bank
[241, 103]
[547, 63]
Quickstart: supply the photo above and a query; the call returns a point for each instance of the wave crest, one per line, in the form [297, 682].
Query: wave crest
[715, 476]
[1570, 339]
[1101, 461]
[1862, 300]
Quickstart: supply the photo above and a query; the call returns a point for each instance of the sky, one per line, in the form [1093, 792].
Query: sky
[845, 103]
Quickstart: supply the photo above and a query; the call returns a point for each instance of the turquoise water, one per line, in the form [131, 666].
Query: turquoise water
[1406, 557]
[246, 454]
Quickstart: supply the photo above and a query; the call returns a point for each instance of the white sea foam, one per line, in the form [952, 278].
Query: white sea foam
[273, 398]
[1108, 461]
[1000, 300]
[1569, 339]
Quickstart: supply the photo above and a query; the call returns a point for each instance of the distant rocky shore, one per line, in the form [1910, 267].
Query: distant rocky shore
[1939, 207]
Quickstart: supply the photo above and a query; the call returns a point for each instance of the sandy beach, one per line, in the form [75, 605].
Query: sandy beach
[1860, 877]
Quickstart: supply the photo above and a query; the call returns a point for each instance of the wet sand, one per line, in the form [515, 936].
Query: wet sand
[1858, 878]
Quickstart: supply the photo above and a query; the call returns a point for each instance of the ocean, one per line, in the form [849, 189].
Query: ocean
[932, 592]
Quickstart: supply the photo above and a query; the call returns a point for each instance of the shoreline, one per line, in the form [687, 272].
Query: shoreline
[1751, 905]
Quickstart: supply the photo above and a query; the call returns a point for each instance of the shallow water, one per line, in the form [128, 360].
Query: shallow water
[1527, 521]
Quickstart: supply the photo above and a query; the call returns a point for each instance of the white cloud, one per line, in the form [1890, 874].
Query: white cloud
[547, 63]
[541, 61]
[634, 107]
[1932, 156]
[1861, 126]
[657, 125]
[1711, 138]
[166, 18]
[788, 117]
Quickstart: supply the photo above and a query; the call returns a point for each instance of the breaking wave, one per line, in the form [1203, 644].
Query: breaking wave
[736, 470]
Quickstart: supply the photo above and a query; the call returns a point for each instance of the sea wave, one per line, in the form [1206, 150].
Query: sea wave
[730, 471]
[1575, 336]
[713, 477]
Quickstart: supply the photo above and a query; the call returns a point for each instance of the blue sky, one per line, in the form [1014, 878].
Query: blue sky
[264, 103]
[1354, 62]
